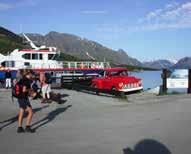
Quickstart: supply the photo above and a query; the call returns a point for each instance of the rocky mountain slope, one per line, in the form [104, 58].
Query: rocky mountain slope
[159, 64]
[183, 63]
[79, 47]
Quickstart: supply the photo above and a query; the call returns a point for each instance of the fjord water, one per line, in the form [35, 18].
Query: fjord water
[150, 79]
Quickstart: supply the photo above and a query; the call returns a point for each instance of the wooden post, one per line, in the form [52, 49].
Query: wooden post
[189, 81]
[164, 79]
[62, 82]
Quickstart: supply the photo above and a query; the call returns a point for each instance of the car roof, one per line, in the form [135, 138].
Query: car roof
[116, 69]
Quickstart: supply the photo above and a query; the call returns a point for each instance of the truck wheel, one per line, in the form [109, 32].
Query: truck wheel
[113, 89]
[96, 89]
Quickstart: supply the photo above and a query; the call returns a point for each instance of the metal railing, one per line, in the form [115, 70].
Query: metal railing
[85, 64]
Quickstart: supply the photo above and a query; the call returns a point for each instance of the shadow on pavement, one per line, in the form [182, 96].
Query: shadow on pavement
[14, 119]
[148, 146]
[50, 117]
[57, 97]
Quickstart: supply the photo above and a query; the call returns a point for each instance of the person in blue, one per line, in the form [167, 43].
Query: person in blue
[24, 103]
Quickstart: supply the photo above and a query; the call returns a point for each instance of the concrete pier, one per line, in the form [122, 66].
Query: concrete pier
[91, 124]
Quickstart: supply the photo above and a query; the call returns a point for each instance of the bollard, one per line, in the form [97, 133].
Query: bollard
[62, 81]
[189, 81]
[164, 79]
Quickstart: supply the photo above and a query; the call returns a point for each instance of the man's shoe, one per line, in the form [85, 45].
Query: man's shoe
[20, 130]
[28, 129]
[49, 101]
[43, 101]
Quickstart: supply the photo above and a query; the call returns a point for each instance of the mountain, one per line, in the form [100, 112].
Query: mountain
[9, 41]
[72, 47]
[79, 47]
[183, 63]
[159, 64]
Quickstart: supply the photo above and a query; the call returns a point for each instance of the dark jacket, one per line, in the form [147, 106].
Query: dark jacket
[8, 75]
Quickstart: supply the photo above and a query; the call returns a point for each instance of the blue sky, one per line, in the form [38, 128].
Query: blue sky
[146, 29]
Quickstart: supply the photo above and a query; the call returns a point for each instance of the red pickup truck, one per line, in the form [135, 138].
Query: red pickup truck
[117, 79]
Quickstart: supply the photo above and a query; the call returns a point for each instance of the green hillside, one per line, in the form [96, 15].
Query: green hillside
[9, 41]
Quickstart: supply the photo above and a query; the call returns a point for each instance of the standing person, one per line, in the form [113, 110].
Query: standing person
[24, 103]
[46, 87]
[8, 77]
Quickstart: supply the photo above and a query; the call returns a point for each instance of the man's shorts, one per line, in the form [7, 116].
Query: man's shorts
[46, 88]
[24, 103]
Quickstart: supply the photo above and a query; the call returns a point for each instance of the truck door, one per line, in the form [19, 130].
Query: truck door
[107, 81]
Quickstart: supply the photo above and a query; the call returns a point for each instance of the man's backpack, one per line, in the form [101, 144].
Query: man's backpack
[17, 90]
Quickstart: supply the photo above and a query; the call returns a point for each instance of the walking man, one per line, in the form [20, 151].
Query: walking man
[24, 104]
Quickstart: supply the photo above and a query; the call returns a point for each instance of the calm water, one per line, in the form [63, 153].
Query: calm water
[150, 79]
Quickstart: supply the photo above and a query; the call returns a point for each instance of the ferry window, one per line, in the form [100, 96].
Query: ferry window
[11, 64]
[27, 64]
[72, 65]
[3, 64]
[40, 56]
[27, 56]
[35, 56]
[50, 56]
[8, 64]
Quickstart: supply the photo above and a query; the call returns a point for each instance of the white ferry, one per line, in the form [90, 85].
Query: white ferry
[45, 59]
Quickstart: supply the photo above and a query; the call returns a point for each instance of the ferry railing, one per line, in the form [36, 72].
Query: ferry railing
[85, 64]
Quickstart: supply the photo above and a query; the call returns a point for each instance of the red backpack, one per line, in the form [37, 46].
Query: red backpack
[17, 90]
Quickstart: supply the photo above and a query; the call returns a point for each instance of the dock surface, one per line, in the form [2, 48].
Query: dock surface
[90, 124]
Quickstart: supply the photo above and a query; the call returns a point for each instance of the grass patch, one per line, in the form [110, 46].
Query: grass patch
[169, 93]
[122, 96]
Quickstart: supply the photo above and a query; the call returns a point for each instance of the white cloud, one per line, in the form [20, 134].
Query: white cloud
[171, 16]
[171, 5]
[4, 6]
[22, 3]
[94, 12]
[110, 31]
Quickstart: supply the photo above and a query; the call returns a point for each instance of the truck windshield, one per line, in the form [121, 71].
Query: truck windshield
[119, 73]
